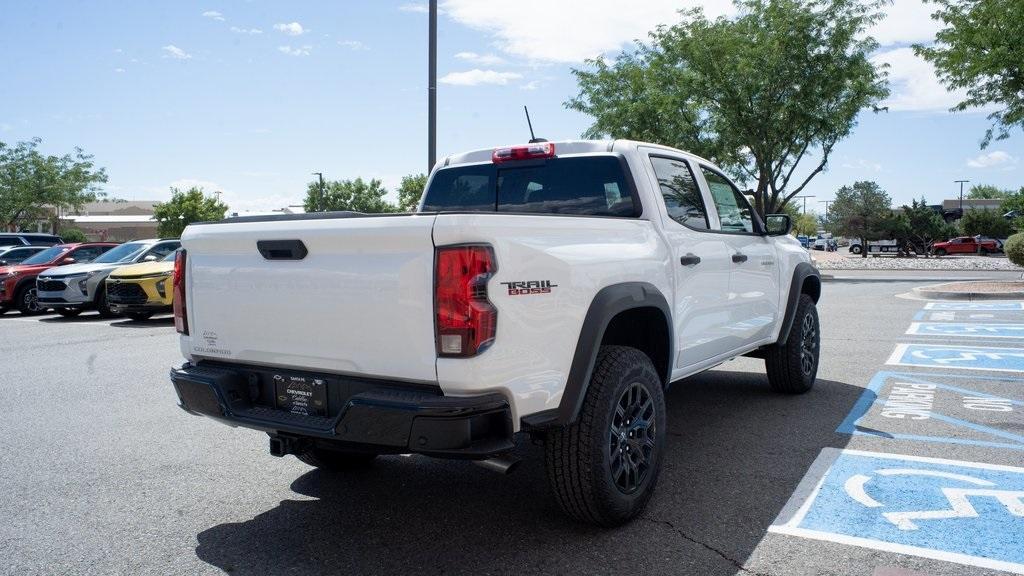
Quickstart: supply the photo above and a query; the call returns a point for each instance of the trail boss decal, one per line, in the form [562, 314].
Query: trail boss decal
[529, 287]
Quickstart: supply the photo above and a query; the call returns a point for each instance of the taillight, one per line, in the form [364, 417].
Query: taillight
[466, 321]
[527, 152]
[178, 289]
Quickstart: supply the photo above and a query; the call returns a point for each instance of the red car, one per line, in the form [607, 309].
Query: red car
[18, 283]
[964, 245]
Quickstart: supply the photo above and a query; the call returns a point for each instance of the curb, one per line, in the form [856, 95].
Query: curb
[933, 292]
[865, 279]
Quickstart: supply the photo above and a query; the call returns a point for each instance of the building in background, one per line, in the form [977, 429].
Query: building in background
[951, 208]
[114, 221]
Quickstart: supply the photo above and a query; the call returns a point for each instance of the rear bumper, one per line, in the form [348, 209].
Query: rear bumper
[365, 414]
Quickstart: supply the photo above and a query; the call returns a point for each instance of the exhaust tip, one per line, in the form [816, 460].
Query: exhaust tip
[504, 466]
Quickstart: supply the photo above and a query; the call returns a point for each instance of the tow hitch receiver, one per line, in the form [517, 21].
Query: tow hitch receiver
[285, 445]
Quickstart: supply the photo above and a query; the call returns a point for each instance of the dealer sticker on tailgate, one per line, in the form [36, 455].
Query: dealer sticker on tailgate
[301, 394]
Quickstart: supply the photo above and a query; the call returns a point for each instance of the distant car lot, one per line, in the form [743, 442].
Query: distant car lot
[99, 456]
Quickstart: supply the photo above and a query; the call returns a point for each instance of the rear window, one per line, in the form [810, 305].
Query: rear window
[586, 186]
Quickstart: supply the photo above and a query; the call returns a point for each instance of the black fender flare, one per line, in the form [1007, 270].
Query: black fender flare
[803, 275]
[607, 303]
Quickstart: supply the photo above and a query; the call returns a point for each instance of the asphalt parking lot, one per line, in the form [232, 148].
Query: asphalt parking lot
[102, 473]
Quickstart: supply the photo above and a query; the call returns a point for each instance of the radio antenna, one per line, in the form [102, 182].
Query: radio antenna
[533, 139]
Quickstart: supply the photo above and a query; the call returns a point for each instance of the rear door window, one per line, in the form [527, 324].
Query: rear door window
[587, 186]
[683, 200]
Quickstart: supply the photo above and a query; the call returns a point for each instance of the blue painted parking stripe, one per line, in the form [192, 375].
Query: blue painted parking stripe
[974, 306]
[966, 329]
[986, 358]
[964, 512]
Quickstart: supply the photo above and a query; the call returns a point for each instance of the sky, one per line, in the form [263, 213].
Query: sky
[251, 97]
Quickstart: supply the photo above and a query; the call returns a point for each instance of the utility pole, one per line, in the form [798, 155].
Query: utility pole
[826, 202]
[318, 206]
[805, 201]
[432, 88]
[961, 183]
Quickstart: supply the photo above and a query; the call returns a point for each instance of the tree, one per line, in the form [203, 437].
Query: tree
[987, 192]
[1013, 202]
[860, 211]
[806, 224]
[31, 183]
[781, 83]
[925, 227]
[980, 50]
[410, 191]
[71, 235]
[351, 195]
[986, 223]
[184, 208]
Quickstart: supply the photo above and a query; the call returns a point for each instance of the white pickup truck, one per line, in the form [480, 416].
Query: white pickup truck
[554, 289]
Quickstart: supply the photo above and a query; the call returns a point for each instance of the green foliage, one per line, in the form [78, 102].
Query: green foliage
[861, 211]
[1013, 202]
[349, 195]
[410, 191]
[806, 224]
[781, 82]
[70, 235]
[980, 50]
[986, 192]
[925, 226]
[985, 222]
[1014, 248]
[31, 182]
[185, 208]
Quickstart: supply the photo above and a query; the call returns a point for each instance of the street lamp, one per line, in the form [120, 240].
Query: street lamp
[961, 183]
[319, 204]
[805, 201]
[432, 87]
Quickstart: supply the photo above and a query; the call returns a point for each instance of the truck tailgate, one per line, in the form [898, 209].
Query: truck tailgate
[359, 302]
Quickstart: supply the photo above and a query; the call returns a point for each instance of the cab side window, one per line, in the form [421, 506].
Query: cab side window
[734, 211]
[162, 250]
[679, 189]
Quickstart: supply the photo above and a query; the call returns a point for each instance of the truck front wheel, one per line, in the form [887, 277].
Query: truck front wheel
[603, 468]
[336, 460]
[793, 366]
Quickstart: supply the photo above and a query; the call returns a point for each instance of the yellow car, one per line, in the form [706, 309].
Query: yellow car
[140, 290]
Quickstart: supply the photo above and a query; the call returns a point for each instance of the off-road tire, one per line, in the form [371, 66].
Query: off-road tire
[69, 312]
[580, 458]
[793, 366]
[102, 306]
[139, 316]
[336, 460]
[28, 301]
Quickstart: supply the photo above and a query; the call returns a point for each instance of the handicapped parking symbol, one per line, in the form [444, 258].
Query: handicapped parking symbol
[963, 357]
[959, 498]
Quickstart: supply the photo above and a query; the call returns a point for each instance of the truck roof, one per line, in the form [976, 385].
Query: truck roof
[566, 148]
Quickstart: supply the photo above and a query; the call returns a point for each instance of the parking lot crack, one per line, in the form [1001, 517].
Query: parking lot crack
[739, 565]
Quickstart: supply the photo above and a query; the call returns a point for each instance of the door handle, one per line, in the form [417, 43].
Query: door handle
[739, 258]
[690, 260]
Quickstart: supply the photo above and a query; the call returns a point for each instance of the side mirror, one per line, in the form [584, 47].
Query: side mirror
[68, 260]
[150, 258]
[778, 224]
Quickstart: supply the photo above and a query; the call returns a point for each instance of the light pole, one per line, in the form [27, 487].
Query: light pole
[432, 88]
[961, 183]
[805, 201]
[319, 204]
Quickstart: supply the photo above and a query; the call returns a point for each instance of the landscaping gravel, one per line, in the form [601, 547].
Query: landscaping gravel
[843, 261]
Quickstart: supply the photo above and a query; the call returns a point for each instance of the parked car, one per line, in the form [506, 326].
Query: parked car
[561, 306]
[70, 290]
[11, 255]
[805, 241]
[964, 245]
[140, 290]
[28, 239]
[18, 283]
[875, 247]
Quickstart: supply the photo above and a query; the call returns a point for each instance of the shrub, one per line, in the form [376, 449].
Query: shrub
[1014, 248]
[73, 235]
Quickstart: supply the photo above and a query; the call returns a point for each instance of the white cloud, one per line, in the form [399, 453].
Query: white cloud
[355, 45]
[862, 165]
[250, 31]
[119, 70]
[531, 85]
[297, 51]
[5, 127]
[476, 77]
[914, 84]
[291, 28]
[482, 59]
[991, 159]
[172, 51]
[213, 15]
[906, 21]
[413, 7]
